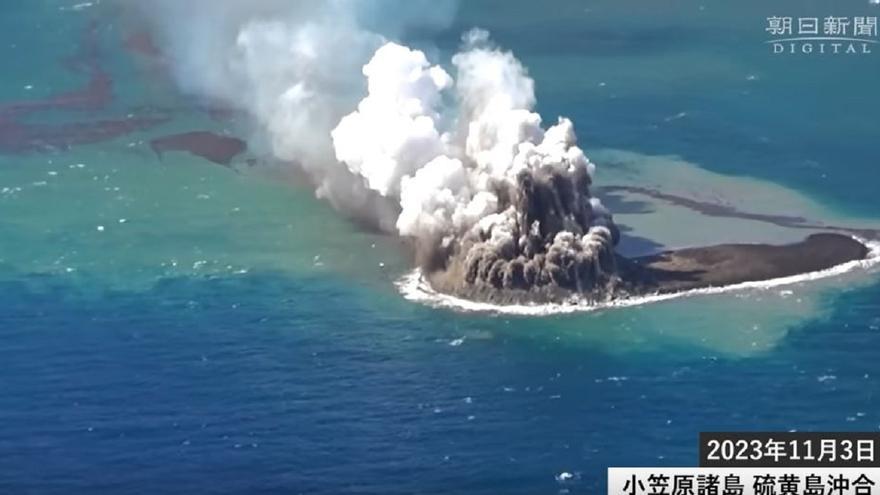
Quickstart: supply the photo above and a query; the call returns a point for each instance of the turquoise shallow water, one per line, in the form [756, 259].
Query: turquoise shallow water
[176, 326]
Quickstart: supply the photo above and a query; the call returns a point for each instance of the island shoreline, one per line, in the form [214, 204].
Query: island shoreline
[674, 272]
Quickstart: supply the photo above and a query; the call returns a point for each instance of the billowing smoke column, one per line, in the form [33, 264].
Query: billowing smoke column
[495, 203]
[294, 66]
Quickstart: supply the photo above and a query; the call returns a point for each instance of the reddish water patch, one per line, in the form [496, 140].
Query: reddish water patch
[34, 138]
[95, 95]
[720, 210]
[142, 43]
[213, 147]
[19, 134]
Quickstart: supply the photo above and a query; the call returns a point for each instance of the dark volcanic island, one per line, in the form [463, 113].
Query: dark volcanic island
[559, 246]
[729, 264]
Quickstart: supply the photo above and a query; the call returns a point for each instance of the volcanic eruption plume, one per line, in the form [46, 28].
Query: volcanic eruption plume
[497, 205]
[494, 200]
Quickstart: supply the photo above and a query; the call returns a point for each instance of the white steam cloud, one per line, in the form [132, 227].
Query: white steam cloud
[293, 65]
[459, 161]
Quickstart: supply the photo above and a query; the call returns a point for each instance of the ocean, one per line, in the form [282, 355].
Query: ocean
[170, 325]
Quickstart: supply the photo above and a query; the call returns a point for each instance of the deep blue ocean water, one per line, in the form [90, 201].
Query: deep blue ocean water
[277, 381]
[268, 385]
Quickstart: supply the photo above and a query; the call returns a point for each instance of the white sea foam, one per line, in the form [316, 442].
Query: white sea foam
[414, 287]
[79, 7]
